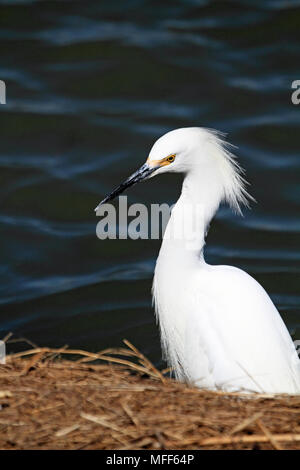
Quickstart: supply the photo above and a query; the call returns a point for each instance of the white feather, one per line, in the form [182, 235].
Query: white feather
[219, 328]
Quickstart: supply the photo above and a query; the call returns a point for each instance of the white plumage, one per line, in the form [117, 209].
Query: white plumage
[219, 328]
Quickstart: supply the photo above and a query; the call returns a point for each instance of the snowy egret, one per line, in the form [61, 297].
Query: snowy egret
[219, 328]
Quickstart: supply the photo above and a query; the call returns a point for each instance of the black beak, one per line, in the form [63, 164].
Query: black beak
[141, 174]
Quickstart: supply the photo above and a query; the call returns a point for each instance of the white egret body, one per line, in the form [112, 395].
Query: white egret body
[219, 328]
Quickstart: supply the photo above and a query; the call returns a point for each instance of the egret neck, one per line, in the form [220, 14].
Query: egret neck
[184, 239]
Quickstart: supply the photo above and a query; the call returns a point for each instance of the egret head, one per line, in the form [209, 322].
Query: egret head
[189, 150]
[178, 151]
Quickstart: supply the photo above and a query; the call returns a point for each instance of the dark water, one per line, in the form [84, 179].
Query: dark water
[90, 86]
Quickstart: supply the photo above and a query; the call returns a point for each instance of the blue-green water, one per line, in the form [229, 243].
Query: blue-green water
[90, 86]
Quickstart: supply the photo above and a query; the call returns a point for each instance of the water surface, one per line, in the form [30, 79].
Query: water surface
[90, 86]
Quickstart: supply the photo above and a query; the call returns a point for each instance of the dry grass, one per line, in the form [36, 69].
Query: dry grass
[49, 402]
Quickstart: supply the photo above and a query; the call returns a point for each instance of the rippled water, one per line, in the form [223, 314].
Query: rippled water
[90, 86]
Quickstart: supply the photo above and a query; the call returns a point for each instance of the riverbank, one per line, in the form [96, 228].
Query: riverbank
[64, 399]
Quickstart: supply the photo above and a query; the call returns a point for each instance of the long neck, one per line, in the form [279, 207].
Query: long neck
[181, 251]
[184, 237]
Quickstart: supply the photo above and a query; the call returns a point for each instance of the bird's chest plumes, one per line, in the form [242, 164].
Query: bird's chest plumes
[171, 283]
[170, 289]
[179, 259]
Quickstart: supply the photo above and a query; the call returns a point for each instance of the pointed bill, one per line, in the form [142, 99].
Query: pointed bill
[141, 174]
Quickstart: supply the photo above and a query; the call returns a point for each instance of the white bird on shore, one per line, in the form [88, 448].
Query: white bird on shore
[219, 328]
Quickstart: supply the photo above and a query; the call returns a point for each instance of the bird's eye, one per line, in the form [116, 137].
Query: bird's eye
[171, 158]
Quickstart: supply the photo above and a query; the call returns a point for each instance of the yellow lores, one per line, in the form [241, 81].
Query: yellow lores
[163, 162]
